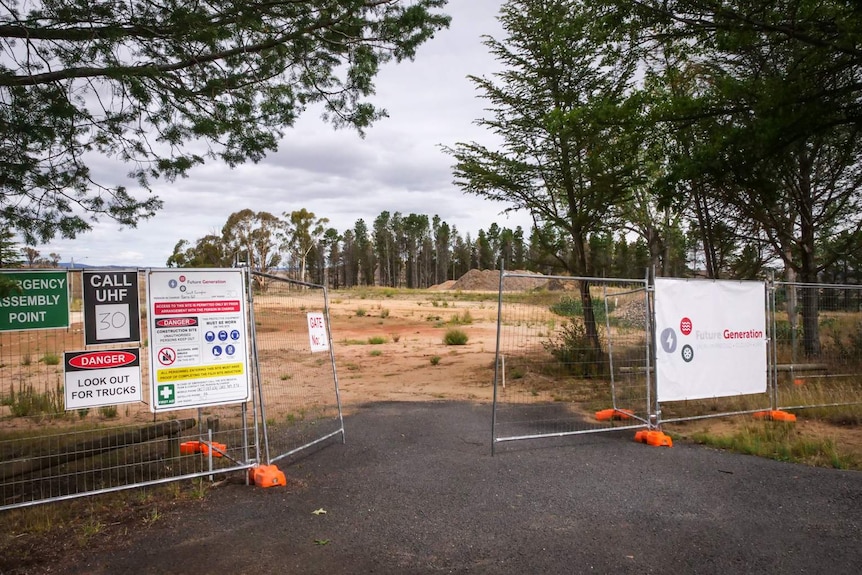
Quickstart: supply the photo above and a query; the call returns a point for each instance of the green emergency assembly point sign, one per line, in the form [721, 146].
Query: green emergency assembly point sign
[40, 301]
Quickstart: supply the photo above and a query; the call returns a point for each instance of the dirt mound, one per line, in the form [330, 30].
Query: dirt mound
[443, 286]
[489, 280]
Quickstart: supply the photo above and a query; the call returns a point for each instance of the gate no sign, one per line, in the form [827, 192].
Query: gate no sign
[111, 307]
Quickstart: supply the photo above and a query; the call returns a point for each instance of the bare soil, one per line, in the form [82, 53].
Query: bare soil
[413, 363]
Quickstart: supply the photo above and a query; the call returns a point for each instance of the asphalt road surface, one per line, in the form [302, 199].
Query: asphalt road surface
[415, 490]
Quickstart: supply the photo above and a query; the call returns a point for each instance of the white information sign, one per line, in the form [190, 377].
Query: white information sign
[198, 338]
[98, 378]
[317, 335]
[710, 338]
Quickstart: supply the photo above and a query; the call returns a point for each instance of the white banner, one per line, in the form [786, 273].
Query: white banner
[710, 338]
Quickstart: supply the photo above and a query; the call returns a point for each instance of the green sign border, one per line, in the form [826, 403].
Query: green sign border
[55, 315]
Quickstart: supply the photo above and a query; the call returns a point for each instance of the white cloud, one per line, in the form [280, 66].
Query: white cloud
[397, 167]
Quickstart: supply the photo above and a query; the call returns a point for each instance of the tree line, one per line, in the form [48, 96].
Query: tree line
[396, 250]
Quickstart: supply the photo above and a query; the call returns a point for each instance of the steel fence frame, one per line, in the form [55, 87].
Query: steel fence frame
[297, 417]
[520, 332]
[834, 367]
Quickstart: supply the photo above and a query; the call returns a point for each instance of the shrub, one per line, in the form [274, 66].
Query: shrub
[376, 340]
[435, 359]
[574, 350]
[462, 318]
[455, 337]
[108, 411]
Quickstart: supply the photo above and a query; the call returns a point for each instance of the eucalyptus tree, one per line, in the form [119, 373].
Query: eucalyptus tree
[209, 251]
[559, 107]
[164, 85]
[301, 232]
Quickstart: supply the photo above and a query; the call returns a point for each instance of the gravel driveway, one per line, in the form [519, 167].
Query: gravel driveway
[415, 490]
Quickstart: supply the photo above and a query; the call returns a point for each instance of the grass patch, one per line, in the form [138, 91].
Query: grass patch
[376, 340]
[376, 352]
[435, 360]
[782, 442]
[463, 318]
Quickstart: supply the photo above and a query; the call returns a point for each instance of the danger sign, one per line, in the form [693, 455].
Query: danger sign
[97, 378]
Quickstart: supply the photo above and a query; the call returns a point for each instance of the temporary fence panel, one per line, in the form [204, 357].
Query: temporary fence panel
[295, 366]
[711, 346]
[818, 345]
[57, 445]
[560, 371]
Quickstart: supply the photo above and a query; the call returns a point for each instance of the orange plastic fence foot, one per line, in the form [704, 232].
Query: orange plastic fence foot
[609, 414]
[192, 447]
[654, 438]
[775, 415]
[267, 476]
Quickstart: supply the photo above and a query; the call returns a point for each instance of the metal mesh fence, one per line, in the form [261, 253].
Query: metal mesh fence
[299, 387]
[49, 453]
[562, 371]
[818, 345]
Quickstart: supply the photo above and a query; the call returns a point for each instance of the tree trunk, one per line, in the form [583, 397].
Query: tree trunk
[810, 296]
[590, 327]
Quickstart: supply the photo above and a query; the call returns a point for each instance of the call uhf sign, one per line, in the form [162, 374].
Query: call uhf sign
[111, 307]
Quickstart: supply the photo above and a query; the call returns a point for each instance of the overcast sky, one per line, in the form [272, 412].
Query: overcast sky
[398, 167]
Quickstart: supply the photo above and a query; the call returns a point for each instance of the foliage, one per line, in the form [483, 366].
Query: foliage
[9, 251]
[571, 307]
[25, 401]
[164, 86]
[301, 233]
[455, 337]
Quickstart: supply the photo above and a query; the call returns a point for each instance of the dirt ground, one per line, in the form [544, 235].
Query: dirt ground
[413, 363]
